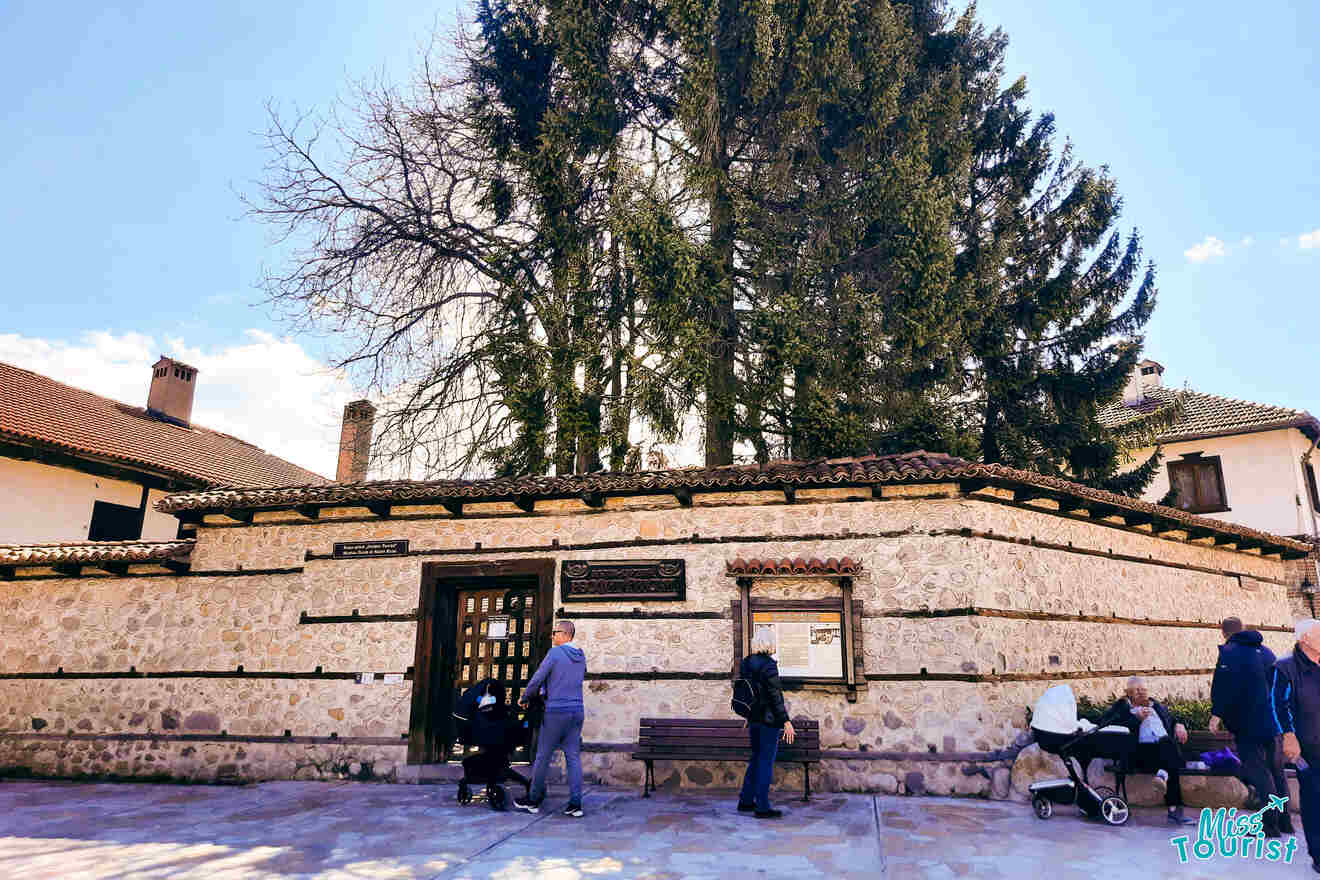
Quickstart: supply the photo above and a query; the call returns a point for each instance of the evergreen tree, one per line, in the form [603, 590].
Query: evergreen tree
[1060, 297]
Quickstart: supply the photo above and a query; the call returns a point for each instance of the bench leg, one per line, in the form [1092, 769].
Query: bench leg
[648, 782]
[806, 783]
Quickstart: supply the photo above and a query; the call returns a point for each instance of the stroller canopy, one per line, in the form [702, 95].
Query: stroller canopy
[1056, 712]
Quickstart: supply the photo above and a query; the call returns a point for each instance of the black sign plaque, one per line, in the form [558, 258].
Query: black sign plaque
[600, 580]
[368, 549]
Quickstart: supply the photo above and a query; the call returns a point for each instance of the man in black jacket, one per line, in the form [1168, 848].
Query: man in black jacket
[1295, 705]
[1240, 699]
[1157, 752]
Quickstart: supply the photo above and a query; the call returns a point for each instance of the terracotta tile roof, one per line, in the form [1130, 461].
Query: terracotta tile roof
[791, 567]
[910, 467]
[35, 409]
[1208, 415]
[89, 552]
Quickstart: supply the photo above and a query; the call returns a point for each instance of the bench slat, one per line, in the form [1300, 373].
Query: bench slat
[807, 758]
[716, 723]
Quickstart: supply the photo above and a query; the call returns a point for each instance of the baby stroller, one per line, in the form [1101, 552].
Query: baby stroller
[485, 720]
[1077, 741]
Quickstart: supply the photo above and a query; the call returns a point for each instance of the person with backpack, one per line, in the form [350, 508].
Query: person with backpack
[758, 697]
[1240, 702]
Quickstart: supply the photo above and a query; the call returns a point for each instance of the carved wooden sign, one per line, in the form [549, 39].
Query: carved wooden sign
[368, 549]
[600, 580]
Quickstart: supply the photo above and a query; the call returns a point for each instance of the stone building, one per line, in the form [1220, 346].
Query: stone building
[323, 630]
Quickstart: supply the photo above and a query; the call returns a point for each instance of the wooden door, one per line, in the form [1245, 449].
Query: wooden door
[497, 638]
[454, 640]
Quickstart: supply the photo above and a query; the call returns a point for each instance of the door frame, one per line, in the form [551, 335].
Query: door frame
[434, 664]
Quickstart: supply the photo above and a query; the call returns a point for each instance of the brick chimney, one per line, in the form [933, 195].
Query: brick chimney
[1146, 376]
[355, 442]
[171, 396]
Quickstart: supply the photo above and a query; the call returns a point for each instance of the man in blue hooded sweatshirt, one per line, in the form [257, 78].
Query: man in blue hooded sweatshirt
[560, 676]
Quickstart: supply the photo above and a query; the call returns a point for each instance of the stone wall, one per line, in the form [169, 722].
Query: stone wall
[251, 584]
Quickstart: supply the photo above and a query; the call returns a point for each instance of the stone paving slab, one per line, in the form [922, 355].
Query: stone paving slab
[352, 831]
[940, 838]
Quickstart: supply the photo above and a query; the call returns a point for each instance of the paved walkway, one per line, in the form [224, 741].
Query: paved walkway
[356, 830]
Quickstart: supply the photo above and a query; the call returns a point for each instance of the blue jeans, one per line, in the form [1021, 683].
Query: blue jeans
[559, 730]
[761, 766]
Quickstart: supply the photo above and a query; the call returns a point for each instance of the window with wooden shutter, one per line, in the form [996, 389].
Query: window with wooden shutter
[1198, 484]
[1309, 469]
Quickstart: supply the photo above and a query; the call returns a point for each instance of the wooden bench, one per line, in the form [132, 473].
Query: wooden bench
[1198, 742]
[719, 739]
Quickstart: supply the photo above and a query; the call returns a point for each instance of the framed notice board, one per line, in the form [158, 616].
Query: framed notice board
[810, 642]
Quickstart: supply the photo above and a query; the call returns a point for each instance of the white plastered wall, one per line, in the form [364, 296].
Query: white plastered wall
[40, 503]
[1262, 478]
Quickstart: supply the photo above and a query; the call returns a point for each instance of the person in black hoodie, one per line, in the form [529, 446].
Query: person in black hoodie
[1295, 706]
[769, 721]
[1240, 698]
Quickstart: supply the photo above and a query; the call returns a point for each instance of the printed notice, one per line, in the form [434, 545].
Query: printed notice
[810, 643]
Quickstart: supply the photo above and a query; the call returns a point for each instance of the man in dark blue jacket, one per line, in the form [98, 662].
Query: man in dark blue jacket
[1295, 705]
[1240, 698]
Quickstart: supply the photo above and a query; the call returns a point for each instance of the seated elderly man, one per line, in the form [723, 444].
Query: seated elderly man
[1158, 737]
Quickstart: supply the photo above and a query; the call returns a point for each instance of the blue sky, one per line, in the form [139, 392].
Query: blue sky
[129, 131]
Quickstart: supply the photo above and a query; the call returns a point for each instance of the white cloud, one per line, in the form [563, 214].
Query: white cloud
[1248, 241]
[1308, 240]
[1211, 247]
[265, 390]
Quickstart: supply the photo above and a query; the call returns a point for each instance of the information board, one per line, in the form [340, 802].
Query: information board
[810, 642]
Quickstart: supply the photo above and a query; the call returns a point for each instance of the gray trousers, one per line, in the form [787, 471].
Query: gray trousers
[559, 730]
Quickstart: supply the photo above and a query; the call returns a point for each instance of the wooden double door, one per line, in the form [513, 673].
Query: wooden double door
[475, 622]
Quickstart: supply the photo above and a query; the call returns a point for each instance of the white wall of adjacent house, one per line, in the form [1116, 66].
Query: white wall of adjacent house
[1263, 478]
[40, 503]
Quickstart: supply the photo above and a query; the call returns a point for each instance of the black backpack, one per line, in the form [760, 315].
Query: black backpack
[746, 699]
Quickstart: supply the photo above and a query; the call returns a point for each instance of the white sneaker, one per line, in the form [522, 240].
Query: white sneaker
[1161, 782]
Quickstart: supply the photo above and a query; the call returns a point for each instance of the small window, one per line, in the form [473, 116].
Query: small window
[471, 604]
[1198, 484]
[1311, 484]
[1148, 371]
[114, 522]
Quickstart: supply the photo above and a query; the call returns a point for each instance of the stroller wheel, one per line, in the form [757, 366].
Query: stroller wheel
[1114, 809]
[499, 799]
[464, 794]
[1042, 807]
